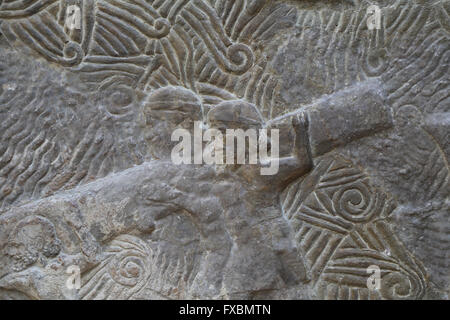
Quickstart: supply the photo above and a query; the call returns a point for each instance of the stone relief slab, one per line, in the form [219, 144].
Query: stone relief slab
[92, 205]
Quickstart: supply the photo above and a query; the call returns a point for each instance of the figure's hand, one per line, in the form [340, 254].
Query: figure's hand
[300, 124]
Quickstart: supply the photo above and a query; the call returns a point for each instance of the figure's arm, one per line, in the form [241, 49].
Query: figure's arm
[353, 113]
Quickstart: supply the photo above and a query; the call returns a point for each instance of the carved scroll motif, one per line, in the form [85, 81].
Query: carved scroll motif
[339, 220]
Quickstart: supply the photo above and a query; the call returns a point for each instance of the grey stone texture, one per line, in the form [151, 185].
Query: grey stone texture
[87, 180]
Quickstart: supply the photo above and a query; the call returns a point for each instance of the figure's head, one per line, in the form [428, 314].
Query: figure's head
[234, 119]
[166, 110]
[236, 114]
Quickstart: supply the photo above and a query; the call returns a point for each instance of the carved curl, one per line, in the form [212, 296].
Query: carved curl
[399, 285]
[356, 203]
[240, 58]
[73, 54]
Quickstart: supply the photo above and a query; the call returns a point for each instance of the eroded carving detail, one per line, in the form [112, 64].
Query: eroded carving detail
[339, 220]
[124, 271]
[136, 69]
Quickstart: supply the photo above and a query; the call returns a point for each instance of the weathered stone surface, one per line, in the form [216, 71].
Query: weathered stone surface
[86, 176]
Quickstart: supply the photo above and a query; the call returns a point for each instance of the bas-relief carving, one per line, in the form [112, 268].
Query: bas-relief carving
[85, 168]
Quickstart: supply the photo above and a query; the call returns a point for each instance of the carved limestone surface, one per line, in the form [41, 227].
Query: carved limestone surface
[350, 100]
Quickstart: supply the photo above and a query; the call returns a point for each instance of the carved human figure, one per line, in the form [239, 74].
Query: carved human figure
[352, 114]
[156, 229]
